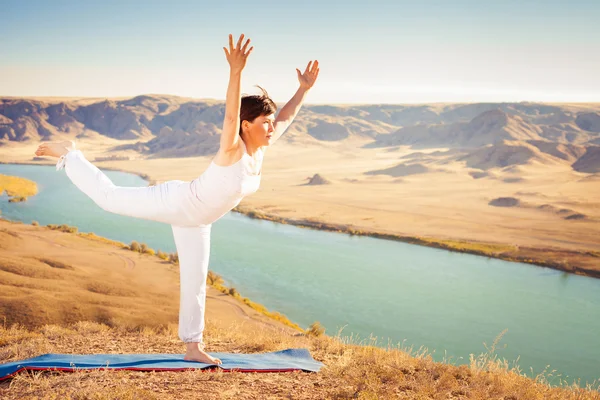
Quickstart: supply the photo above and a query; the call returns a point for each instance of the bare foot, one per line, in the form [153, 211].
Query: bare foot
[55, 149]
[194, 353]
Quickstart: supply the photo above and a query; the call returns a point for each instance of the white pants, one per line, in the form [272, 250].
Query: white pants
[170, 203]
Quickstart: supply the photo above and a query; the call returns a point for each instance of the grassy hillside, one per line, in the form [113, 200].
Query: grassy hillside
[351, 371]
[55, 275]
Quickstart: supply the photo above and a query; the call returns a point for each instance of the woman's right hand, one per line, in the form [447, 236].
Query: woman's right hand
[237, 56]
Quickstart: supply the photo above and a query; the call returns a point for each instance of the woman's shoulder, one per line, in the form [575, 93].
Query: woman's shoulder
[225, 158]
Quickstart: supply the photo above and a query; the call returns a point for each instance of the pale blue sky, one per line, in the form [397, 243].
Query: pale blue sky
[370, 52]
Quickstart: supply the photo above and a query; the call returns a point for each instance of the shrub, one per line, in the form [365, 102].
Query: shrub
[174, 258]
[63, 228]
[163, 256]
[214, 278]
[233, 292]
[56, 264]
[316, 329]
[67, 228]
[143, 248]
[134, 246]
[35, 223]
[93, 236]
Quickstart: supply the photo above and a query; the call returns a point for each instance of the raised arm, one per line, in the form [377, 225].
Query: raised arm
[236, 57]
[290, 110]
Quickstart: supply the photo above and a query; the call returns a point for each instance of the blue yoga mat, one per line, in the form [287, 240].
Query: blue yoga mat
[279, 361]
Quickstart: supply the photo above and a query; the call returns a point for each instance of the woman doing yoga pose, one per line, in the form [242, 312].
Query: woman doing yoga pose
[191, 207]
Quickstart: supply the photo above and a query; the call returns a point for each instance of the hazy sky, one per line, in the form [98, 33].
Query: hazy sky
[389, 51]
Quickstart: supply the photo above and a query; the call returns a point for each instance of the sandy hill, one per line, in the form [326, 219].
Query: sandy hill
[401, 170]
[317, 179]
[90, 297]
[52, 277]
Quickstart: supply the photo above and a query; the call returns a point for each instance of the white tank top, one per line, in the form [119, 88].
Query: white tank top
[219, 189]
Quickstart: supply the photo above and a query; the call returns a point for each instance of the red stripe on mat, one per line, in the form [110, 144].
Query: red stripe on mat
[212, 368]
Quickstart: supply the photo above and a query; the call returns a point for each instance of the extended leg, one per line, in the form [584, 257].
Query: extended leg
[169, 202]
[193, 248]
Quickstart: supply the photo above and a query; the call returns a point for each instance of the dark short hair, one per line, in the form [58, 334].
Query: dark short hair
[253, 106]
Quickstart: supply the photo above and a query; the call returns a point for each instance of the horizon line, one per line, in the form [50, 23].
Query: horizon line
[438, 102]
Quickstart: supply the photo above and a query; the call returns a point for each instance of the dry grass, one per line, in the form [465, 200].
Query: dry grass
[50, 277]
[101, 239]
[17, 187]
[315, 329]
[63, 228]
[56, 264]
[35, 292]
[490, 249]
[28, 269]
[352, 369]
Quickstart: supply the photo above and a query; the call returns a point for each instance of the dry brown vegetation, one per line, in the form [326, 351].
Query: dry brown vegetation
[353, 369]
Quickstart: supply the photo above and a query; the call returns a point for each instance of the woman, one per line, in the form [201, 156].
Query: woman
[191, 207]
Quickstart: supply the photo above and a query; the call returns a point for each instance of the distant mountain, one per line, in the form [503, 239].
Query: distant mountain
[202, 140]
[511, 153]
[590, 161]
[171, 126]
[567, 152]
[505, 154]
[490, 127]
[589, 122]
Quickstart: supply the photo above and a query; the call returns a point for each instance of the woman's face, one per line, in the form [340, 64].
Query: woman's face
[260, 130]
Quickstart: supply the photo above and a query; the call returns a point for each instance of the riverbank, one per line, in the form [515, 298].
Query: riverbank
[586, 263]
[18, 257]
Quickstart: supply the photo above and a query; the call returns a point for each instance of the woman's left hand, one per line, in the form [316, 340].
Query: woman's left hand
[308, 78]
